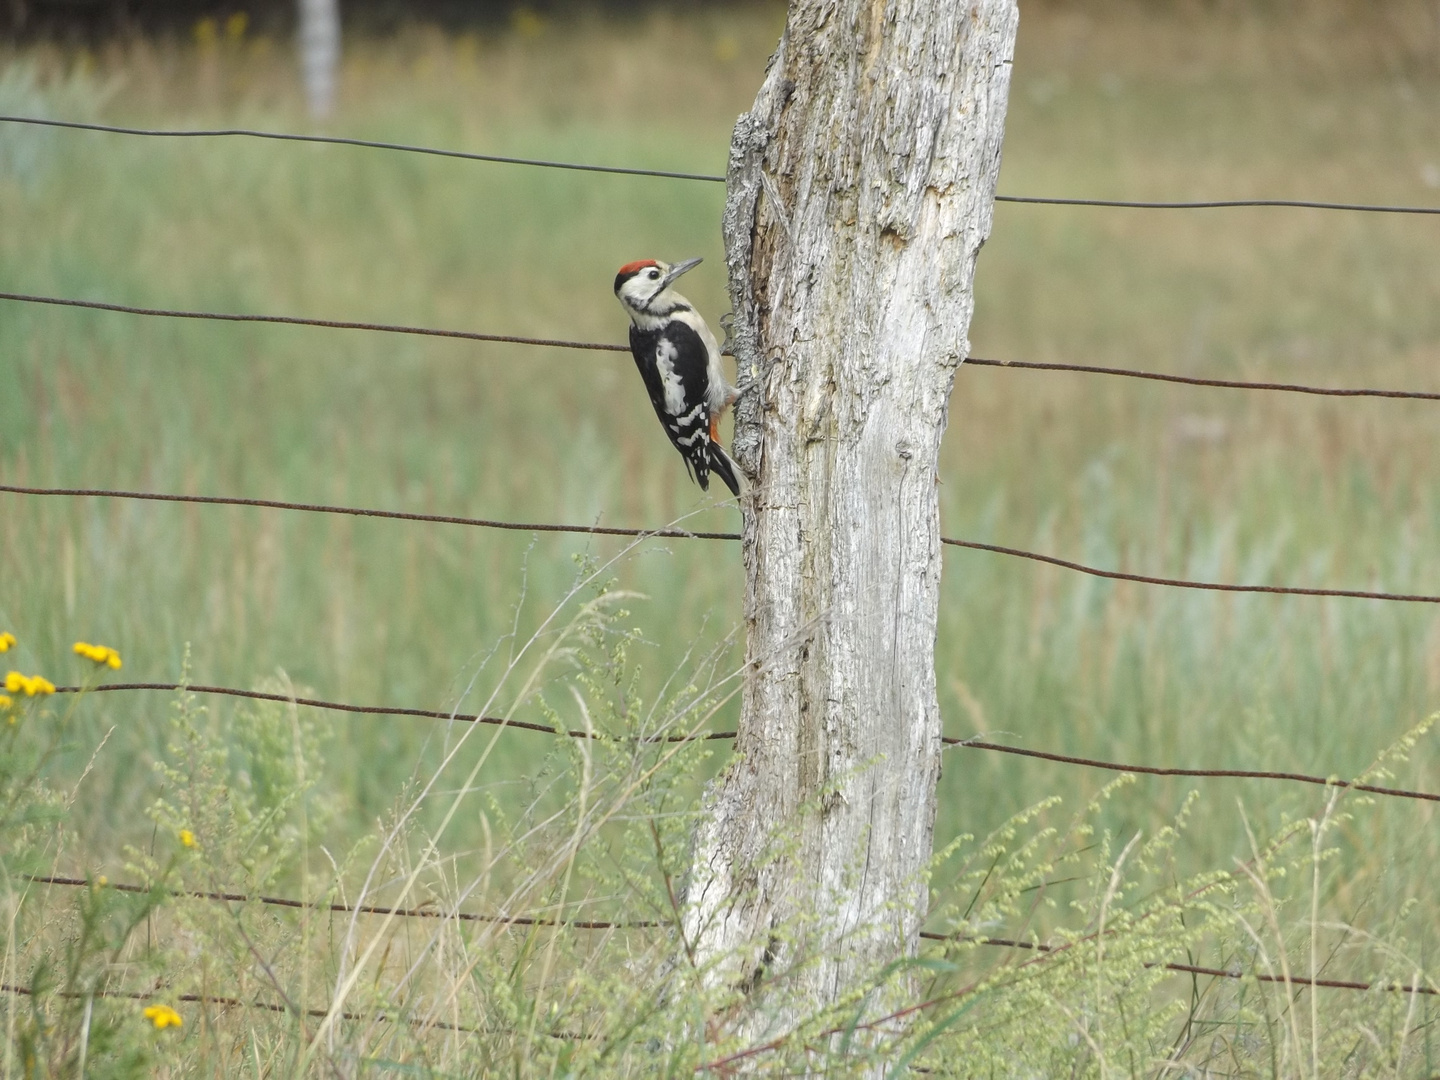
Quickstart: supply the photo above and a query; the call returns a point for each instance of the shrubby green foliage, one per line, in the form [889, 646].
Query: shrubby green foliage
[1091, 918]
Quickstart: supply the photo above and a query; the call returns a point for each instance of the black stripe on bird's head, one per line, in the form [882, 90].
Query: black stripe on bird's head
[643, 287]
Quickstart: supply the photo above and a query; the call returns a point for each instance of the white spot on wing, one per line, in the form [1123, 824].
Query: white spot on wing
[665, 354]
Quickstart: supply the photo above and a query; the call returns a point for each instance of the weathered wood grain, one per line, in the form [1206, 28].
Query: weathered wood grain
[861, 187]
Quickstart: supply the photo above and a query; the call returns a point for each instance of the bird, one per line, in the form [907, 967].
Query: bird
[679, 360]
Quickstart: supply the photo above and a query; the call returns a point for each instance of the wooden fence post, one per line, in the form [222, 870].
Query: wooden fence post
[860, 190]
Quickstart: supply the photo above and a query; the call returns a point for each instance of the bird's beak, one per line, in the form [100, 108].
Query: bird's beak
[676, 271]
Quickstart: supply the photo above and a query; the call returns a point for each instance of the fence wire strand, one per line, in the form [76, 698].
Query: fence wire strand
[1004, 943]
[971, 744]
[268, 1006]
[297, 320]
[1151, 770]
[1197, 969]
[685, 534]
[347, 909]
[369, 144]
[372, 710]
[1194, 380]
[667, 174]
[1183, 583]
[597, 346]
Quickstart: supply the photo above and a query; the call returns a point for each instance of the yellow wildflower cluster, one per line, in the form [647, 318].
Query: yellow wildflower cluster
[7, 703]
[163, 1016]
[187, 838]
[100, 654]
[29, 685]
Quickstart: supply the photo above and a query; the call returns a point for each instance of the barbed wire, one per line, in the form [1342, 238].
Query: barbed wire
[197, 999]
[347, 909]
[685, 534]
[668, 174]
[271, 1006]
[972, 744]
[1005, 943]
[1197, 969]
[596, 346]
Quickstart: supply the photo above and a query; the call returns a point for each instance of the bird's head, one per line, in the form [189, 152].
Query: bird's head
[644, 288]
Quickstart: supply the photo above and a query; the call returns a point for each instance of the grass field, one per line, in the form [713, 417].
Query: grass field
[1324, 102]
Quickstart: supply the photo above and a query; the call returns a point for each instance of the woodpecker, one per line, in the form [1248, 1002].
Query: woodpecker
[679, 360]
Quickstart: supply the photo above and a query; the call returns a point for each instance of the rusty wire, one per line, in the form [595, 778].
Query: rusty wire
[1219, 204]
[363, 909]
[1193, 380]
[372, 144]
[1007, 943]
[685, 534]
[595, 346]
[1196, 969]
[296, 320]
[972, 744]
[1181, 583]
[271, 1006]
[374, 710]
[395, 515]
[1231, 774]
[714, 178]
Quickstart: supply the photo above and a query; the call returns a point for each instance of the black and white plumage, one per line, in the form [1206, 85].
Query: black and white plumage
[679, 359]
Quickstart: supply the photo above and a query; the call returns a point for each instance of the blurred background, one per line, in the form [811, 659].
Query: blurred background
[1187, 100]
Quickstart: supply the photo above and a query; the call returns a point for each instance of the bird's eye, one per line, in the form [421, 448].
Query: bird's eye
[653, 274]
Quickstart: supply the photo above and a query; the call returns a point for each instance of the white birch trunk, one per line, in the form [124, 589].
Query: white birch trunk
[319, 53]
[860, 191]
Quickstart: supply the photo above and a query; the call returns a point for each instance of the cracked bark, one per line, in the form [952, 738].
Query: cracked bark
[860, 190]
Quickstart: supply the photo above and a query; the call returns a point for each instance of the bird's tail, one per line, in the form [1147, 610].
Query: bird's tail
[723, 465]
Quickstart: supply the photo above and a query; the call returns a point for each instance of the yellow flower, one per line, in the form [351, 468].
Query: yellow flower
[7, 707]
[100, 654]
[187, 838]
[102, 881]
[163, 1016]
[29, 685]
[7, 641]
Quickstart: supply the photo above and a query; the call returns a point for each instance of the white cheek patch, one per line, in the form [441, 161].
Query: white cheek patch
[665, 354]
